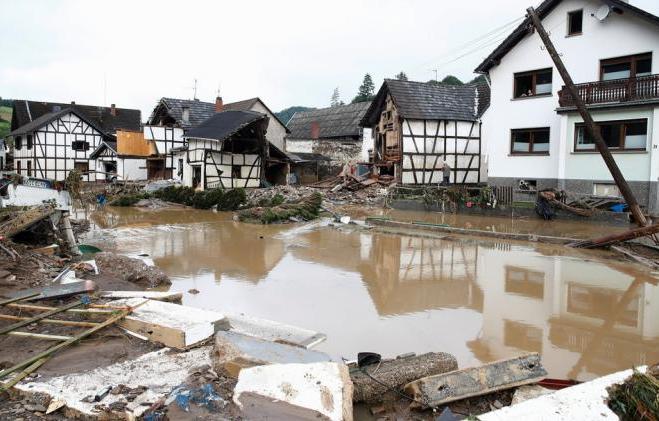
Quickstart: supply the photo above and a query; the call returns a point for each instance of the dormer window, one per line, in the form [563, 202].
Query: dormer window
[575, 23]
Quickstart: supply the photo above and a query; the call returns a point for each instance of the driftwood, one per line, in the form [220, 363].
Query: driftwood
[550, 196]
[25, 219]
[456, 385]
[397, 373]
[609, 240]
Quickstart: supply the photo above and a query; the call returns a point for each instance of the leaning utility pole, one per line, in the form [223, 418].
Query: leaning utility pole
[593, 131]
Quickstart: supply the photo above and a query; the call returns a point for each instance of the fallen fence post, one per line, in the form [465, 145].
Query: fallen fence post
[23, 374]
[456, 385]
[51, 321]
[608, 240]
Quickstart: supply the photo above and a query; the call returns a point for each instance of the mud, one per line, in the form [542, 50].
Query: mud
[587, 313]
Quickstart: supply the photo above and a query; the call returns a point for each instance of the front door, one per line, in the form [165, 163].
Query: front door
[155, 169]
[196, 176]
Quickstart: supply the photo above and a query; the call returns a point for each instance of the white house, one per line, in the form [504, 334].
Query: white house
[51, 139]
[3, 154]
[416, 126]
[532, 129]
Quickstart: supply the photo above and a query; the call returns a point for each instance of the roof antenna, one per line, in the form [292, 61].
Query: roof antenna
[219, 89]
[194, 96]
[435, 70]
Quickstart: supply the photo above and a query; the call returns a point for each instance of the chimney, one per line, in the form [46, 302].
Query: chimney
[113, 110]
[73, 103]
[315, 130]
[219, 105]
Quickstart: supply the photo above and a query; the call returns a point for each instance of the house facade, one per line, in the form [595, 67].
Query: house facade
[3, 154]
[418, 126]
[534, 134]
[334, 133]
[187, 114]
[51, 139]
[227, 150]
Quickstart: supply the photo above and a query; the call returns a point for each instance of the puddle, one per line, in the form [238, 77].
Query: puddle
[479, 300]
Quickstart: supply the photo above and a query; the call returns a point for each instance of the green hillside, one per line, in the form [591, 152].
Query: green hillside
[5, 120]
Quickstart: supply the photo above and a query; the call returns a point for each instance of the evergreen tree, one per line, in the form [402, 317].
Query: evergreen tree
[401, 76]
[336, 98]
[366, 90]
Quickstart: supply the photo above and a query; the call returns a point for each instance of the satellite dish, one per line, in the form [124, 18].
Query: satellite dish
[603, 13]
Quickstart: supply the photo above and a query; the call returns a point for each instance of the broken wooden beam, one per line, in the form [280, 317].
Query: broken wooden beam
[40, 336]
[57, 291]
[35, 319]
[476, 381]
[396, 373]
[608, 240]
[51, 321]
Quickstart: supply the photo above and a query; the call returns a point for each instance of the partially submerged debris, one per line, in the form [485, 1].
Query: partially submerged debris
[396, 373]
[444, 388]
[170, 297]
[306, 209]
[295, 391]
[609, 240]
[638, 397]
[130, 270]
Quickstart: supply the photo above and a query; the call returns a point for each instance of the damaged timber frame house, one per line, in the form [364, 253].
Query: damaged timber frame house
[227, 150]
[417, 126]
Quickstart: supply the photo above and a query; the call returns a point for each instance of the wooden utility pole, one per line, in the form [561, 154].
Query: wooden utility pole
[592, 129]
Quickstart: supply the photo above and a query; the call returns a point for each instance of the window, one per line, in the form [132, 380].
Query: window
[29, 168]
[626, 67]
[235, 171]
[606, 189]
[575, 22]
[29, 142]
[79, 145]
[621, 135]
[530, 141]
[18, 143]
[18, 167]
[537, 82]
[82, 167]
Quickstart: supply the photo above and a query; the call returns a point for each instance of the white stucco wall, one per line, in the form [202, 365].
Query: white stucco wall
[276, 131]
[618, 35]
[367, 143]
[132, 168]
[303, 146]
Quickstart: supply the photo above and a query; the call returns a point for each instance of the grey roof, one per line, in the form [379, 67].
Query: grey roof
[25, 112]
[300, 157]
[334, 122]
[427, 101]
[221, 126]
[543, 10]
[44, 119]
[111, 144]
[201, 111]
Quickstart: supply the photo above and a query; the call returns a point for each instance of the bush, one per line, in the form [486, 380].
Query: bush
[128, 199]
[176, 194]
[225, 200]
[232, 200]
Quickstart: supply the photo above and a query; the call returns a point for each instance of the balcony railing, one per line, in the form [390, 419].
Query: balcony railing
[613, 91]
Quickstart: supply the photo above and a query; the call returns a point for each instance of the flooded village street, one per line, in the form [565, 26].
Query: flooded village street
[588, 314]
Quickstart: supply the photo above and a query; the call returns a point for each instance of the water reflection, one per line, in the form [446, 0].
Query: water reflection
[481, 301]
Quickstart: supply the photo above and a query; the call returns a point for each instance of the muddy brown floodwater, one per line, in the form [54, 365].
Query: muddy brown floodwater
[587, 314]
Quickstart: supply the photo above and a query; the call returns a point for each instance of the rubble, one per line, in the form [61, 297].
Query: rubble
[295, 391]
[130, 270]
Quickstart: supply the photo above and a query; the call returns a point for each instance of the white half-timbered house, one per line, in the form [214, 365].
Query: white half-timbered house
[417, 126]
[50, 139]
[227, 150]
[56, 143]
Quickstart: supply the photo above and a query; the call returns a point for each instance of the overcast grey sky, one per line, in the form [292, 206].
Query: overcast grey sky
[286, 52]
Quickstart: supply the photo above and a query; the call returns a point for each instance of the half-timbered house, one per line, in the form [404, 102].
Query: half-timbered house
[51, 139]
[227, 150]
[419, 126]
[189, 113]
[56, 143]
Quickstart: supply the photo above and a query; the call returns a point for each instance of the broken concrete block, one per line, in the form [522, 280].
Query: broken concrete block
[234, 351]
[276, 332]
[170, 297]
[295, 392]
[524, 393]
[170, 324]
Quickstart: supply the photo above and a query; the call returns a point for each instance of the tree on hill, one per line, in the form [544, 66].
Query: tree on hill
[336, 98]
[452, 80]
[478, 79]
[286, 114]
[401, 76]
[366, 91]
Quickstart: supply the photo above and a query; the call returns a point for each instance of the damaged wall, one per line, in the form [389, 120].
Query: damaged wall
[339, 151]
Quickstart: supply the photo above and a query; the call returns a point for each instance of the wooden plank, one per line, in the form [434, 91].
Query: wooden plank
[51, 321]
[40, 336]
[57, 291]
[39, 317]
[476, 381]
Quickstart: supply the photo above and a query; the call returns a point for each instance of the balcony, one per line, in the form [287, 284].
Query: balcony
[641, 88]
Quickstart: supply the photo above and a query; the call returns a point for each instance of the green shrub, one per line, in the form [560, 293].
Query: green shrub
[128, 199]
[231, 200]
[225, 200]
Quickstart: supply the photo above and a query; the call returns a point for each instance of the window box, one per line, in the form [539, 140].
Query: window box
[619, 135]
[529, 141]
[533, 83]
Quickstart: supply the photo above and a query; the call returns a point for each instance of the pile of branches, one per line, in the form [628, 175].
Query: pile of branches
[220, 199]
[638, 397]
[306, 209]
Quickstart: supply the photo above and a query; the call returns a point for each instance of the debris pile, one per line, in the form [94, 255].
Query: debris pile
[131, 270]
[638, 397]
[305, 209]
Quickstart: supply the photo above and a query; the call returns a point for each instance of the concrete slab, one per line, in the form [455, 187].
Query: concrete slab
[586, 401]
[171, 324]
[234, 352]
[276, 332]
[170, 297]
[295, 392]
[159, 371]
